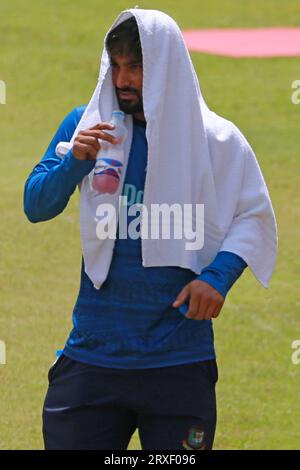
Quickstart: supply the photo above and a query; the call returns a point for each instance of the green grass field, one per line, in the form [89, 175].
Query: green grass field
[49, 59]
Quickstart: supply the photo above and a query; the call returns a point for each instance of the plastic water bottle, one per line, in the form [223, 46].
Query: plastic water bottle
[110, 158]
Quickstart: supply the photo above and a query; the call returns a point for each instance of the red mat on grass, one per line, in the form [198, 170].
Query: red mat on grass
[262, 42]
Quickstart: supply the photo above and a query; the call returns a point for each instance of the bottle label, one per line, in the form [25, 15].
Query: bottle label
[108, 166]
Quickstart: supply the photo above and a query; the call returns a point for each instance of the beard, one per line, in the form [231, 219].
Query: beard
[131, 106]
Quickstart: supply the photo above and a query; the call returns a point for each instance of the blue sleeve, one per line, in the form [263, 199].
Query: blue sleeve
[223, 272]
[53, 180]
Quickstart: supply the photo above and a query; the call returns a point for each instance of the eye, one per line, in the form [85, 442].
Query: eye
[136, 66]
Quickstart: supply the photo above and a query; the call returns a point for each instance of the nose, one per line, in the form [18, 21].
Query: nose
[122, 79]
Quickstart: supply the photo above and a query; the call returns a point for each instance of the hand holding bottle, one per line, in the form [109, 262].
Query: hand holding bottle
[87, 145]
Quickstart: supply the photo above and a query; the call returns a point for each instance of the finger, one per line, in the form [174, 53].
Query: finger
[89, 141]
[182, 297]
[98, 134]
[209, 313]
[203, 309]
[213, 310]
[217, 311]
[102, 125]
[193, 307]
[89, 152]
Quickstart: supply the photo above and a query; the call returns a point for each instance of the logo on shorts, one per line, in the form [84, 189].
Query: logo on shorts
[195, 439]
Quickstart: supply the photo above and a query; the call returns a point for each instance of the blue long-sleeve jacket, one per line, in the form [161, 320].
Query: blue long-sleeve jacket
[130, 321]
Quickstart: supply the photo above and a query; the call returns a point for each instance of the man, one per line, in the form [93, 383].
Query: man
[141, 353]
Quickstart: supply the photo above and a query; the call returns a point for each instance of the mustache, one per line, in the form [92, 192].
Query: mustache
[130, 90]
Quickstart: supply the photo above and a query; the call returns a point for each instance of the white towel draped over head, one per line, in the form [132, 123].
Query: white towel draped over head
[194, 157]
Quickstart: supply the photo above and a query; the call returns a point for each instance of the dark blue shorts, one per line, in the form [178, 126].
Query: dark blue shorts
[91, 407]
